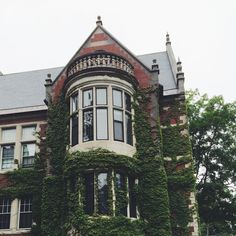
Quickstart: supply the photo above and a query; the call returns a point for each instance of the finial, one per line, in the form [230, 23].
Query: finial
[99, 21]
[167, 39]
[179, 65]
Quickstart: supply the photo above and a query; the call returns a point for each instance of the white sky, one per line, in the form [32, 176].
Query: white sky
[37, 34]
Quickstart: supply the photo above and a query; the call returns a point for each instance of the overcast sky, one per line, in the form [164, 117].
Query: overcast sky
[37, 34]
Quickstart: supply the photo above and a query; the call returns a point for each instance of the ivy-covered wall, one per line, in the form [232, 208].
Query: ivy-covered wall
[162, 165]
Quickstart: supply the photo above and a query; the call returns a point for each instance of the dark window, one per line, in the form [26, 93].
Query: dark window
[129, 135]
[87, 98]
[102, 123]
[74, 103]
[101, 96]
[127, 102]
[88, 125]
[5, 213]
[74, 131]
[102, 194]
[121, 203]
[28, 152]
[7, 156]
[89, 193]
[25, 212]
[132, 198]
[118, 125]
[117, 98]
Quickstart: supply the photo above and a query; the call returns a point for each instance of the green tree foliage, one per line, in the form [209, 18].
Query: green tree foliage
[213, 135]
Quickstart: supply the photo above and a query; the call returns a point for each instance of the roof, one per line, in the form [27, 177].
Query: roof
[25, 91]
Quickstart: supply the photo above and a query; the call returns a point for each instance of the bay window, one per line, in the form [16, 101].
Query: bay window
[95, 115]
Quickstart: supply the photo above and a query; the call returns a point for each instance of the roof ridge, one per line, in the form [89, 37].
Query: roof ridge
[150, 53]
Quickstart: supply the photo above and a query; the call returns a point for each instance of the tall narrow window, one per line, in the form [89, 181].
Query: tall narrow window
[102, 123]
[7, 156]
[88, 125]
[74, 120]
[121, 204]
[118, 125]
[128, 120]
[5, 213]
[89, 193]
[74, 129]
[127, 102]
[28, 152]
[25, 213]
[102, 194]
[132, 198]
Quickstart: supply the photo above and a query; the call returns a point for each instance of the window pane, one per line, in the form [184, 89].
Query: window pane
[87, 98]
[117, 98]
[102, 194]
[101, 94]
[9, 135]
[7, 156]
[132, 198]
[28, 133]
[118, 115]
[26, 213]
[5, 213]
[129, 136]
[28, 152]
[121, 204]
[74, 103]
[127, 102]
[88, 125]
[102, 125]
[74, 130]
[118, 125]
[89, 193]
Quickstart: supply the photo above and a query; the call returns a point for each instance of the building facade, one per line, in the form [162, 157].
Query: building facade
[97, 147]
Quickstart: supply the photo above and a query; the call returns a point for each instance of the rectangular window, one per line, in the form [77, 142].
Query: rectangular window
[87, 125]
[132, 198]
[121, 204]
[118, 125]
[7, 156]
[129, 135]
[101, 96]
[28, 152]
[102, 194]
[8, 135]
[28, 133]
[74, 103]
[127, 102]
[89, 193]
[25, 212]
[74, 129]
[117, 98]
[87, 98]
[5, 213]
[102, 123]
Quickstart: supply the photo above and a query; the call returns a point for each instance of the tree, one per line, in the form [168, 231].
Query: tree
[212, 124]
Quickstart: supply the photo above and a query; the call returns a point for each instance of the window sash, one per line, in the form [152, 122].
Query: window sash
[74, 129]
[7, 156]
[118, 127]
[25, 213]
[88, 98]
[8, 135]
[89, 193]
[28, 132]
[117, 98]
[88, 125]
[74, 103]
[129, 131]
[101, 96]
[102, 123]
[102, 194]
[5, 213]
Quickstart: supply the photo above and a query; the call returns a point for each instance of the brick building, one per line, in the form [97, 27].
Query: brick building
[99, 85]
